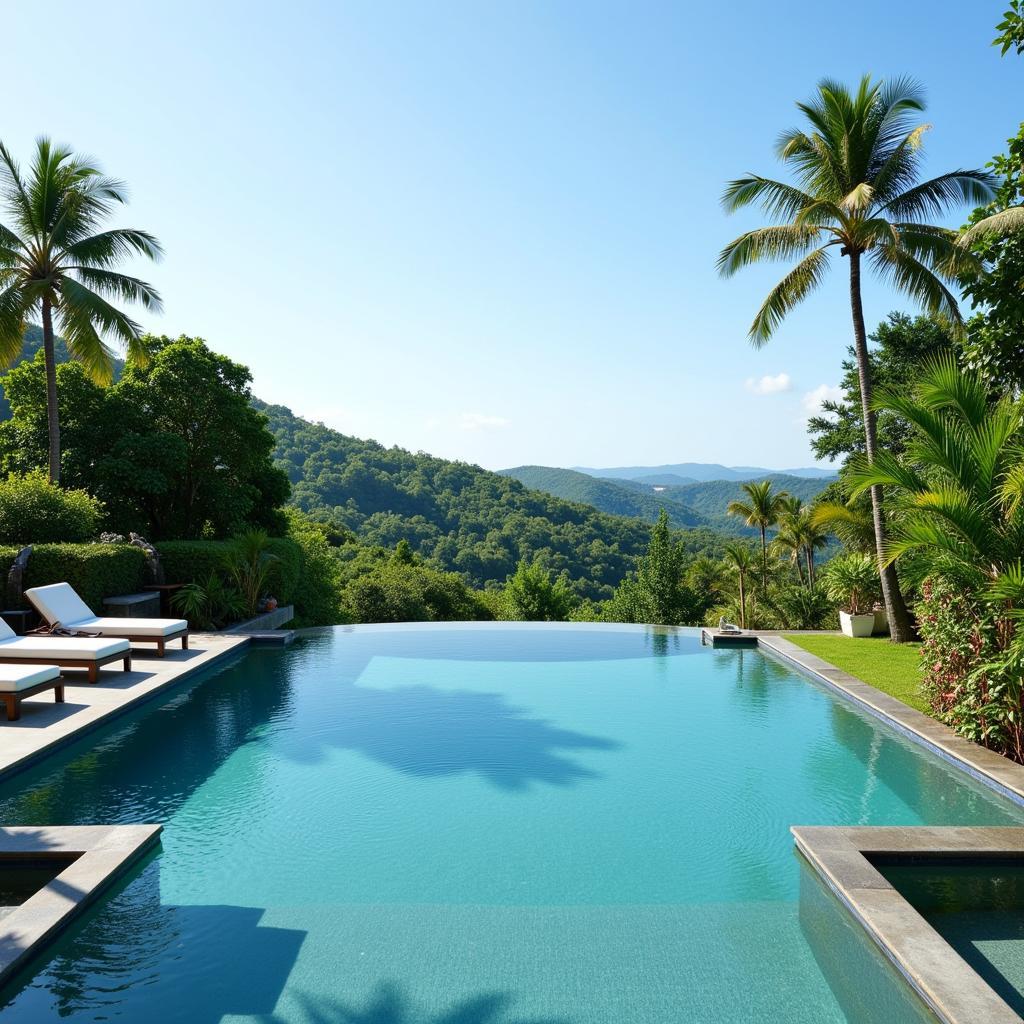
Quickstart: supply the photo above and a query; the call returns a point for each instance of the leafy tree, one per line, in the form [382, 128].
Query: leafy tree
[800, 535]
[761, 510]
[533, 596]
[903, 344]
[857, 166]
[174, 449]
[55, 261]
[33, 510]
[994, 333]
[1011, 29]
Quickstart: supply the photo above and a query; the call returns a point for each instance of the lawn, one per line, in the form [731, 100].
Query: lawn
[892, 668]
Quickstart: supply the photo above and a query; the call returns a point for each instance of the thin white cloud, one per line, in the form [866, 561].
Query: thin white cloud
[813, 400]
[481, 421]
[770, 384]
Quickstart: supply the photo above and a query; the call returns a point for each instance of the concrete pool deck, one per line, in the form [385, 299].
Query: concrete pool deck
[950, 987]
[45, 725]
[93, 855]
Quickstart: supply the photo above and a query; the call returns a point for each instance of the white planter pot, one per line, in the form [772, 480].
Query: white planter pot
[881, 621]
[857, 625]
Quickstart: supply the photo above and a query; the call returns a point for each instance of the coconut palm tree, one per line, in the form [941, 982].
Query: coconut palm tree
[960, 491]
[858, 195]
[739, 558]
[762, 509]
[55, 261]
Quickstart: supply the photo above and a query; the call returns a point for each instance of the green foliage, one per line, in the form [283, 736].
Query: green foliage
[318, 598]
[856, 163]
[249, 565]
[903, 345]
[456, 517]
[401, 592]
[801, 607]
[1011, 29]
[531, 595]
[190, 561]
[34, 511]
[174, 449]
[959, 495]
[995, 331]
[55, 261]
[95, 571]
[762, 509]
[852, 580]
[659, 592]
[210, 604]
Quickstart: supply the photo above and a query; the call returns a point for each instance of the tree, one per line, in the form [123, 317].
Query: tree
[903, 344]
[857, 167]
[739, 558]
[531, 595]
[174, 449]
[1011, 29]
[762, 509]
[799, 535]
[54, 261]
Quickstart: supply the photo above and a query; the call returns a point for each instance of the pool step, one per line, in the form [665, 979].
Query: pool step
[718, 638]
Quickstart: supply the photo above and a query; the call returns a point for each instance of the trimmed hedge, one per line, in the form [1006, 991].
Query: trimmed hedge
[96, 571]
[190, 561]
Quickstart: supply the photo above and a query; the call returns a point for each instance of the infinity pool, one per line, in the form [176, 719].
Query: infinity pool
[491, 824]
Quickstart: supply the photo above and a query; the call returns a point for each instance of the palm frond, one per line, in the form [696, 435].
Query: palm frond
[776, 198]
[108, 247]
[120, 286]
[885, 471]
[919, 281]
[778, 242]
[998, 225]
[803, 279]
[933, 197]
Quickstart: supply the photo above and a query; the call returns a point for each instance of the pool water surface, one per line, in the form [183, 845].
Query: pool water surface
[484, 824]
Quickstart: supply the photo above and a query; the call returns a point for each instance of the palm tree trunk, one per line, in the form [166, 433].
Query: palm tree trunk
[764, 561]
[900, 629]
[809, 551]
[799, 568]
[52, 414]
[743, 604]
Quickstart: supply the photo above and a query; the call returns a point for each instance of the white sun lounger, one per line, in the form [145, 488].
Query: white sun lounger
[59, 605]
[20, 681]
[66, 651]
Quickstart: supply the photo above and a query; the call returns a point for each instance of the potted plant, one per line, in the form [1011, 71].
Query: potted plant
[852, 581]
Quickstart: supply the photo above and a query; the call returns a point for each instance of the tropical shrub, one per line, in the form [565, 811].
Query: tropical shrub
[400, 592]
[34, 511]
[800, 607]
[531, 595]
[211, 604]
[852, 581]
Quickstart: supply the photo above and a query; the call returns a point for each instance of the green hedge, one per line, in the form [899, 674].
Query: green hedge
[191, 561]
[96, 571]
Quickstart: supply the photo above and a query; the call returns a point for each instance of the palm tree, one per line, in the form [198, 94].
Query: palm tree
[960, 492]
[858, 195]
[789, 538]
[54, 260]
[761, 510]
[738, 557]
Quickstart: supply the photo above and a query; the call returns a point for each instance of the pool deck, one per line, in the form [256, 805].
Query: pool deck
[45, 725]
[950, 987]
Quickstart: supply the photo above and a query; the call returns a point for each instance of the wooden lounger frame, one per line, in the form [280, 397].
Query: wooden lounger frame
[12, 701]
[91, 665]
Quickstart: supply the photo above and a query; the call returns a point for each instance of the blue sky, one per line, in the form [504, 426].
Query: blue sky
[488, 230]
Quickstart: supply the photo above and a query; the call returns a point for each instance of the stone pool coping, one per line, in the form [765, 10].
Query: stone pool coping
[949, 986]
[100, 852]
[45, 726]
[988, 767]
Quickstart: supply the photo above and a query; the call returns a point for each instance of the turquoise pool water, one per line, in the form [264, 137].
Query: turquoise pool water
[479, 825]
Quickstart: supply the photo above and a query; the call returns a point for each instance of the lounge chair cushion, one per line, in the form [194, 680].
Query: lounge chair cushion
[61, 648]
[59, 604]
[118, 626]
[15, 678]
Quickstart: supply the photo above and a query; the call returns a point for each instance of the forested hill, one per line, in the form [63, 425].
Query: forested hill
[711, 498]
[459, 516]
[619, 497]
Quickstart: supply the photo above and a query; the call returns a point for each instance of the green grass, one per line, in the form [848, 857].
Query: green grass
[892, 668]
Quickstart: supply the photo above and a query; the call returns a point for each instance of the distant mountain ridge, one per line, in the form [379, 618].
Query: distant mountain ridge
[700, 472]
[699, 503]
